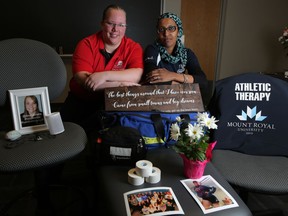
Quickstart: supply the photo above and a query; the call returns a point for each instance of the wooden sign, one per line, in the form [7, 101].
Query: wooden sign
[163, 98]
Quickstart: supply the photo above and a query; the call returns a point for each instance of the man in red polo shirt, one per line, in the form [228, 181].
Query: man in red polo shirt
[105, 59]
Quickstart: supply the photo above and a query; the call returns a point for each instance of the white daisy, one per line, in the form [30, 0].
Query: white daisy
[175, 131]
[210, 123]
[178, 119]
[201, 117]
[194, 131]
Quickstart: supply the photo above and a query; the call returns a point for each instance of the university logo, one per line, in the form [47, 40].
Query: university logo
[251, 113]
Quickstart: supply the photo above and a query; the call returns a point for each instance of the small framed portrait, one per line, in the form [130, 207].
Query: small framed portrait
[29, 107]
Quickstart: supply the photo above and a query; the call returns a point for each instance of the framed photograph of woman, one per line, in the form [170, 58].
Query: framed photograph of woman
[29, 106]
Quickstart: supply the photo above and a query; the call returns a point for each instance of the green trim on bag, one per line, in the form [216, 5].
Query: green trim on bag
[153, 140]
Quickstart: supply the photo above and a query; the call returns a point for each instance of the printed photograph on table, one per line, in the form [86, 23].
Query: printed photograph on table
[29, 107]
[209, 194]
[152, 201]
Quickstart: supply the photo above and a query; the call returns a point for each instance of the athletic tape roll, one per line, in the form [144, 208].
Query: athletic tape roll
[133, 178]
[155, 177]
[144, 168]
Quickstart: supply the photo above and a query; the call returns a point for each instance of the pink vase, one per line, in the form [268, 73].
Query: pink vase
[193, 169]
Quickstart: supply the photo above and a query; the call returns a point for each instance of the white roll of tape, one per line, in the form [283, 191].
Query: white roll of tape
[155, 177]
[144, 168]
[133, 178]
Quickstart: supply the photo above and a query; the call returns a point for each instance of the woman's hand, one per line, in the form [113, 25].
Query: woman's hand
[163, 75]
[121, 84]
[107, 79]
[160, 75]
[93, 81]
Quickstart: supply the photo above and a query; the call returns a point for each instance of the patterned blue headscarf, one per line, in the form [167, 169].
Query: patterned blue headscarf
[180, 54]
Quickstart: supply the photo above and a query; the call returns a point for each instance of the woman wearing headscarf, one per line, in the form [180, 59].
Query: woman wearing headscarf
[167, 61]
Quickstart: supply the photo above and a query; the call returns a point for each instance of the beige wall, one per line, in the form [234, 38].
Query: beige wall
[249, 37]
[173, 6]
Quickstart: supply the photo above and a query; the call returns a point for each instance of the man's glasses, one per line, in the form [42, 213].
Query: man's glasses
[169, 29]
[113, 25]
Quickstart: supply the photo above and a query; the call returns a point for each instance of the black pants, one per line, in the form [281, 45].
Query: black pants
[82, 112]
[89, 115]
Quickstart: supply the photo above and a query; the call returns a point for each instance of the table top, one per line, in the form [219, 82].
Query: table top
[113, 183]
[49, 150]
